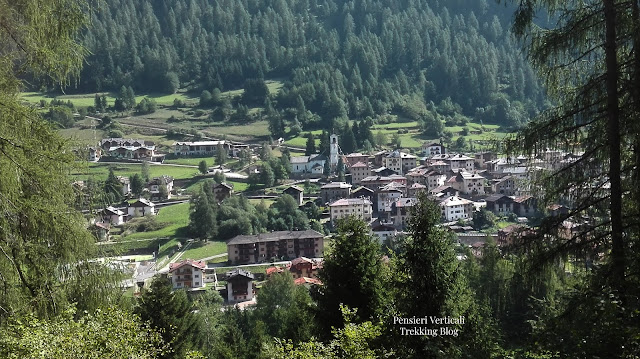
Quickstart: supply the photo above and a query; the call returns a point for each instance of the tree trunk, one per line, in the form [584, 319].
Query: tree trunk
[613, 136]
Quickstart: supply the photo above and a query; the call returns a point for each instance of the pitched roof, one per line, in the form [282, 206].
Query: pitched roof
[274, 236]
[359, 164]
[293, 188]
[113, 211]
[406, 202]
[332, 185]
[300, 260]
[299, 159]
[142, 202]
[238, 272]
[307, 280]
[187, 262]
[200, 143]
[350, 202]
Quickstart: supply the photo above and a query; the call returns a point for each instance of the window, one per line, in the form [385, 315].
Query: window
[197, 283]
[197, 276]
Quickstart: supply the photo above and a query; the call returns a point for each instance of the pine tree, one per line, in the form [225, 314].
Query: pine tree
[202, 217]
[137, 185]
[202, 167]
[355, 252]
[311, 145]
[171, 314]
[221, 155]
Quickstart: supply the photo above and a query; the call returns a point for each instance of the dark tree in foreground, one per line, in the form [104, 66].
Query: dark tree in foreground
[171, 313]
[352, 275]
[202, 167]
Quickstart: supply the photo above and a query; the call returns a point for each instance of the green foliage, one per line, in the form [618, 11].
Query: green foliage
[146, 106]
[202, 167]
[171, 314]
[285, 309]
[484, 219]
[285, 215]
[255, 92]
[61, 116]
[352, 341]
[202, 215]
[221, 155]
[110, 333]
[310, 148]
[355, 252]
[137, 184]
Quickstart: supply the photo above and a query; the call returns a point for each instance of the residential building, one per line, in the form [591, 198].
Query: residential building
[415, 189]
[132, 152]
[222, 190]
[240, 286]
[199, 148]
[334, 190]
[141, 208]
[505, 185]
[108, 143]
[359, 171]
[113, 216]
[389, 194]
[443, 191]
[353, 158]
[481, 158]
[468, 183]
[401, 211]
[375, 182]
[433, 148]
[454, 208]
[188, 274]
[460, 162]
[303, 267]
[94, 154]
[155, 184]
[363, 192]
[259, 248]
[434, 179]
[358, 207]
[126, 185]
[296, 192]
[400, 162]
[382, 171]
[383, 230]
[500, 204]
[101, 231]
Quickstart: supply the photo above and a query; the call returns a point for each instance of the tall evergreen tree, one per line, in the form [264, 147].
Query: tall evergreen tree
[355, 252]
[170, 312]
[202, 216]
[311, 145]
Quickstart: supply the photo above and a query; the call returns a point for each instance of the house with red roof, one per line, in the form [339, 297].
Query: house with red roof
[188, 274]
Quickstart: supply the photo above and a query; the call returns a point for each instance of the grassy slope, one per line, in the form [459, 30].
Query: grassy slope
[100, 171]
[178, 218]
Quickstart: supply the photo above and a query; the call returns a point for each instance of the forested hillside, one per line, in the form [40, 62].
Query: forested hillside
[359, 58]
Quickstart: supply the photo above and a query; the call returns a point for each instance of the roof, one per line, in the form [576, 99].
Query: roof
[417, 185]
[187, 262]
[455, 201]
[164, 179]
[359, 164]
[272, 270]
[460, 157]
[496, 197]
[362, 188]
[102, 225]
[120, 140]
[237, 272]
[340, 185]
[307, 280]
[123, 179]
[406, 202]
[113, 211]
[398, 154]
[301, 260]
[356, 154]
[223, 184]
[429, 144]
[142, 202]
[467, 175]
[299, 159]
[274, 236]
[200, 143]
[350, 202]
[293, 188]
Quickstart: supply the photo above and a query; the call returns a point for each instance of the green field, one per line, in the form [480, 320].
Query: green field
[178, 218]
[86, 100]
[100, 171]
[199, 250]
